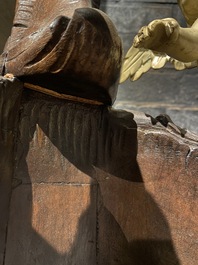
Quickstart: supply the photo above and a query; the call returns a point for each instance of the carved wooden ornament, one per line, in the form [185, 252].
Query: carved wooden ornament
[66, 46]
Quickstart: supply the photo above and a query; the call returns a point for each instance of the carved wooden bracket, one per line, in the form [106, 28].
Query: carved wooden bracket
[65, 46]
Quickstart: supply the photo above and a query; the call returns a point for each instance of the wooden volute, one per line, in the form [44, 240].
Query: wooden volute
[66, 46]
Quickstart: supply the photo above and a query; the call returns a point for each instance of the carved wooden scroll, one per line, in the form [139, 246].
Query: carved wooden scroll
[65, 46]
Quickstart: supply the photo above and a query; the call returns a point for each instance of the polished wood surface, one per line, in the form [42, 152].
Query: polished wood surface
[71, 48]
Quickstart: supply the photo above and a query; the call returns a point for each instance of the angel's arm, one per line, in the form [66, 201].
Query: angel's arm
[186, 49]
[168, 37]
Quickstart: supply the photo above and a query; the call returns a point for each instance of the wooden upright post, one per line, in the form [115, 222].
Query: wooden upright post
[10, 95]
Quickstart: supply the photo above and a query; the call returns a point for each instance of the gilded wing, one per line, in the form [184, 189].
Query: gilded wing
[181, 65]
[138, 61]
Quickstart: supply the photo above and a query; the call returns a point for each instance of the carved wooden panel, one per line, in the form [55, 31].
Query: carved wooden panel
[94, 185]
[52, 224]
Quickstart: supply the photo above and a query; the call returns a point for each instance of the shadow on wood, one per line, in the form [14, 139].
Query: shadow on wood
[93, 185]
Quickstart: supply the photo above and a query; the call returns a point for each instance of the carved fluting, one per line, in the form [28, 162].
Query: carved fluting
[24, 14]
[96, 136]
[88, 136]
[148, 204]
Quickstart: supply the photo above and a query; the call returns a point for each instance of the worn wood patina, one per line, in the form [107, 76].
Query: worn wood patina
[66, 46]
[81, 182]
[94, 185]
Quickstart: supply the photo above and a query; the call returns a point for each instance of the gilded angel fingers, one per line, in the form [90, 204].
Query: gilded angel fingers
[157, 35]
[167, 36]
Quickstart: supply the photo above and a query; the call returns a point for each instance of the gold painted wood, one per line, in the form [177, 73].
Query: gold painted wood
[162, 41]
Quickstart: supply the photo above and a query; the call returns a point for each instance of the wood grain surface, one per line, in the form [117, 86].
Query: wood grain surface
[10, 95]
[94, 185]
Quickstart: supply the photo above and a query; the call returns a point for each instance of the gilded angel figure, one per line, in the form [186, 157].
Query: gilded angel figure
[164, 40]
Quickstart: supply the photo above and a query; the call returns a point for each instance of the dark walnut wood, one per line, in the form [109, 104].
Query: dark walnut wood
[66, 46]
[94, 185]
[10, 99]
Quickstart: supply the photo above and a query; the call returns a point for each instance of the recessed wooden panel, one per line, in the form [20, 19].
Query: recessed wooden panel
[52, 224]
[155, 219]
[136, 220]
